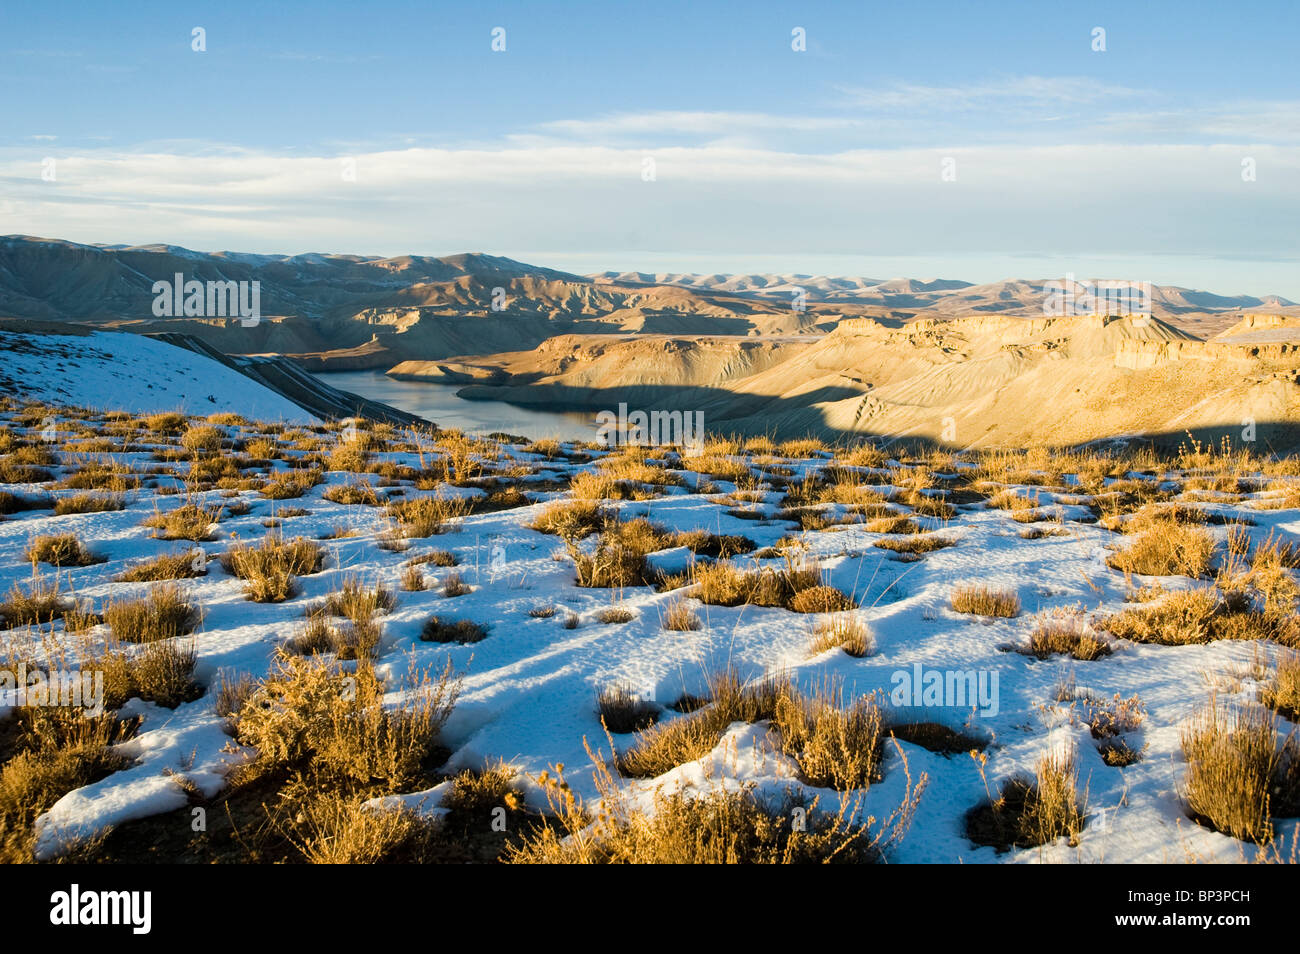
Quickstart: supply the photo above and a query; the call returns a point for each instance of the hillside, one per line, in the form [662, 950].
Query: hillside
[965, 382]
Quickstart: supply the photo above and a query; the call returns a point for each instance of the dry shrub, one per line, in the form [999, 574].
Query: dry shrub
[436, 557]
[63, 549]
[413, 579]
[38, 602]
[289, 485]
[162, 672]
[618, 559]
[202, 439]
[1237, 776]
[570, 519]
[820, 599]
[164, 614]
[916, 544]
[312, 718]
[1065, 632]
[454, 585]
[428, 515]
[190, 521]
[796, 586]
[170, 566]
[337, 829]
[89, 503]
[615, 614]
[439, 630]
[896, 524]
[1171, 549]
[1200, 615]
[1029, 812]
[352, 493]
[836, 746]
[845, 632]
[984, 601]
[1282, 694]
[718, 826]
[621, 710]
[55, 750]
[676, 742]
[269, 568]
[679, 617]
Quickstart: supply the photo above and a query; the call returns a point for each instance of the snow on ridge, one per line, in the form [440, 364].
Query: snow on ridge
[127, 372]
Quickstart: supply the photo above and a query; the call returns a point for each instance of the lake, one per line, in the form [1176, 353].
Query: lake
[438, 403]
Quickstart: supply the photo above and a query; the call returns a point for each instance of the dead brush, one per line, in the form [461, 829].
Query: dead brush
[914, 545]
[190, 521]
[334, 727]
[1170, 550]
[842, 631]
[797, 585]
[352, 493]
[1282, 693]
[621, 710]
[162, 672]
[40, 602]
[54, 751]
[716, 826]
[676, 742]
[618, 559]
[333, 828]
[59, 550]
[979, 600]
[453, 585]
[289, 485]
[1238, 777]
[836, 745]
[165, 613]
[1202, 615]
[427, 516]
[89, 503]
[1065, 632]
[438, 629]
[1031, 811]
[611, 615]
[269, 569]
[570, 519]
[677, 616]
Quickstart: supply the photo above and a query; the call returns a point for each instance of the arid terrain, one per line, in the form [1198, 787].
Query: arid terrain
[944, 579]
[960, 365]
[359, 644]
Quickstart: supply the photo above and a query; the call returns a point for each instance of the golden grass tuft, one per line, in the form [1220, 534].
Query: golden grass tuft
[1029, 812]
[63, 549]
[164, 613]
[269, 568]
[842, 631]
[1171, 549]
[979, 600]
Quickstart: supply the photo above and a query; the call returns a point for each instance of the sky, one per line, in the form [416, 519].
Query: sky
[957, 140]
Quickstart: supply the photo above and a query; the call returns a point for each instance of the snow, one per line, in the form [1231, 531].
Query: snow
[529, 689]
[127, 372]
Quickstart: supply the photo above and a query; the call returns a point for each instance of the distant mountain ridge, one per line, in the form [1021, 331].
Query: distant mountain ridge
[348, 311]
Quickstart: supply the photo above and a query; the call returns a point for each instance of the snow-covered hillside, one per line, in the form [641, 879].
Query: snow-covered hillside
[547, 646]
[119, 371]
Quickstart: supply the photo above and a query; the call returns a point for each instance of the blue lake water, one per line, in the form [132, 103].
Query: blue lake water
[438, 403]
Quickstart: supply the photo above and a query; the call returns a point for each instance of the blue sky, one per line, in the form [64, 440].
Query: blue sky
[1125, 163]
